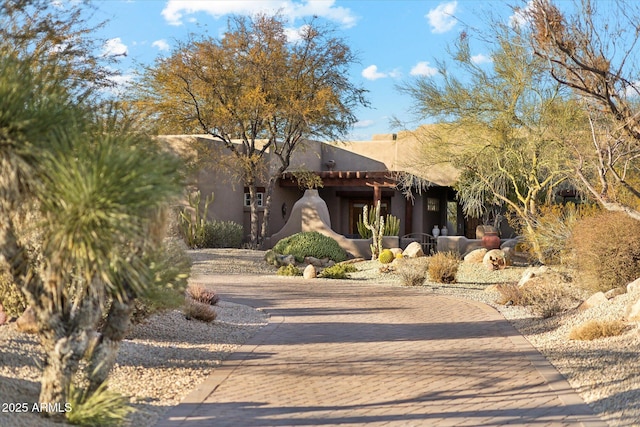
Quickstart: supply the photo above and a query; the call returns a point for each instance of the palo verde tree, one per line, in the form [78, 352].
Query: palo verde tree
[498, 125]
[96, 188]
[595, 54]
[258, 93]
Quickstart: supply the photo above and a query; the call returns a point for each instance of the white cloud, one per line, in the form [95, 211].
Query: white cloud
[441, 18]
[423, 68]
[363, 124]
[372, 73]
[114, 47]
[161, 44]
[480, 59]
[175, 10]
[519, 18]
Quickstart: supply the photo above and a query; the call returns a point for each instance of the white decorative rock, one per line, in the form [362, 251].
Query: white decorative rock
[309, 272]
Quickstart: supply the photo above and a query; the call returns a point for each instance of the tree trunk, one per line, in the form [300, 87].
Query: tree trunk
[105, 349]
[253, 203]
[267, 208]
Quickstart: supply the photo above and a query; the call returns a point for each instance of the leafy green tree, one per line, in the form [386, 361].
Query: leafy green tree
[96, 187]
[256, 92]
[593, 51]
[500, 126]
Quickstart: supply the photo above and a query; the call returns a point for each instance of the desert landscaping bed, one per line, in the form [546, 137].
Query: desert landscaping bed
[165, 357]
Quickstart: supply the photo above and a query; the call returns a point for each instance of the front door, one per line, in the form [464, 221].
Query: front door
[355, 212]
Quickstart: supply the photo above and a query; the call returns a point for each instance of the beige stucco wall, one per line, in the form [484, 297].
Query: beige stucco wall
[382, 153]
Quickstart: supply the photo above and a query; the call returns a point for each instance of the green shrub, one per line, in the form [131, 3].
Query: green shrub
[443, 267]
[170, 267]
[310, 243]
[597, 328]
[221, 234]
[413, 271]
[386, 256]
[607, 253]
[11, 297]
[102, 408]
[338, 271]
[289, 270]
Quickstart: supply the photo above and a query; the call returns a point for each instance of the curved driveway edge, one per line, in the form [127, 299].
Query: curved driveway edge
[351, 354]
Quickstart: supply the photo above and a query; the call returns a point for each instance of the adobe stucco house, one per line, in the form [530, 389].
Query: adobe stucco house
[354, 174]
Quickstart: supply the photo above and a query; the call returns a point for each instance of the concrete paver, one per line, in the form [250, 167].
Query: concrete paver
[351, 354]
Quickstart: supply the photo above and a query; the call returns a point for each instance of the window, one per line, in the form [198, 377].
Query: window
[247, 199]
[433, 204]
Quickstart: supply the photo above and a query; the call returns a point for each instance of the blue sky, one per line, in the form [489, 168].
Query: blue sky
[395, 39]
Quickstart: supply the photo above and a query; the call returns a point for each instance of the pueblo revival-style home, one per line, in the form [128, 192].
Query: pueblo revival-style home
[354, 174]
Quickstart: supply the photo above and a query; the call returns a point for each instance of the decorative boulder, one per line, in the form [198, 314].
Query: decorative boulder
[313, 261]
[476, 256]
[414, 250]
[532, 272]
[285, 260]
[593, 301]
[309, 272]
[634, 286]
[396, 251]
[633, 312]
[27, 322]
[495, 259]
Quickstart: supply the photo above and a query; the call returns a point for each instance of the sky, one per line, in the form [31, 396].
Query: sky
[395, 40]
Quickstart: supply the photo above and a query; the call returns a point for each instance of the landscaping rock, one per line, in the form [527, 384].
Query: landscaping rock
[476, 256]
[532, 272]
[593, 301]
[634, 286]
[414, 250]
[313, 261]
[27, 322]
[610, 294]
[309, 272]
[495, 259]
[396, 251]
[285, 260]
[633, 312]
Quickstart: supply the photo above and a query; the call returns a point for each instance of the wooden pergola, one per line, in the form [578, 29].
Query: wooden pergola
[377, 180]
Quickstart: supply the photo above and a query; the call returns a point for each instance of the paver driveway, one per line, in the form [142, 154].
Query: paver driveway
[350, 354]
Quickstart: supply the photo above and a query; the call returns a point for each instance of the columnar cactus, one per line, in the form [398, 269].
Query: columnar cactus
[377, 230]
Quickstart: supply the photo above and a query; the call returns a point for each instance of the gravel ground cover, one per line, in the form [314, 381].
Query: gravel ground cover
[165, 357]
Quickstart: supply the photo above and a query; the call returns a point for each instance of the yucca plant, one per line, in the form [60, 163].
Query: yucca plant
[102, 407]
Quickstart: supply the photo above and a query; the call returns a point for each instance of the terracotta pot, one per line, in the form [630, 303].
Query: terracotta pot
[491, 240]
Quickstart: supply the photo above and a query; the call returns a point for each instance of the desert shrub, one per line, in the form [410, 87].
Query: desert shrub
[443, 267]
[386, 256]
[607, 253]
[545, 299]
[310, 243]
[11, 297]
[201, 293]
[289, 270]
[413, 271]
[101, 408]
[221, 234]
[552, 229]
[199, 311]
[597, 328]
[338, 271]
[170, 267]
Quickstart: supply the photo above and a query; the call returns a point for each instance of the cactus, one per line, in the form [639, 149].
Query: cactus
[392, 225]
[386, 256]
[193, 221]
[376, 227]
